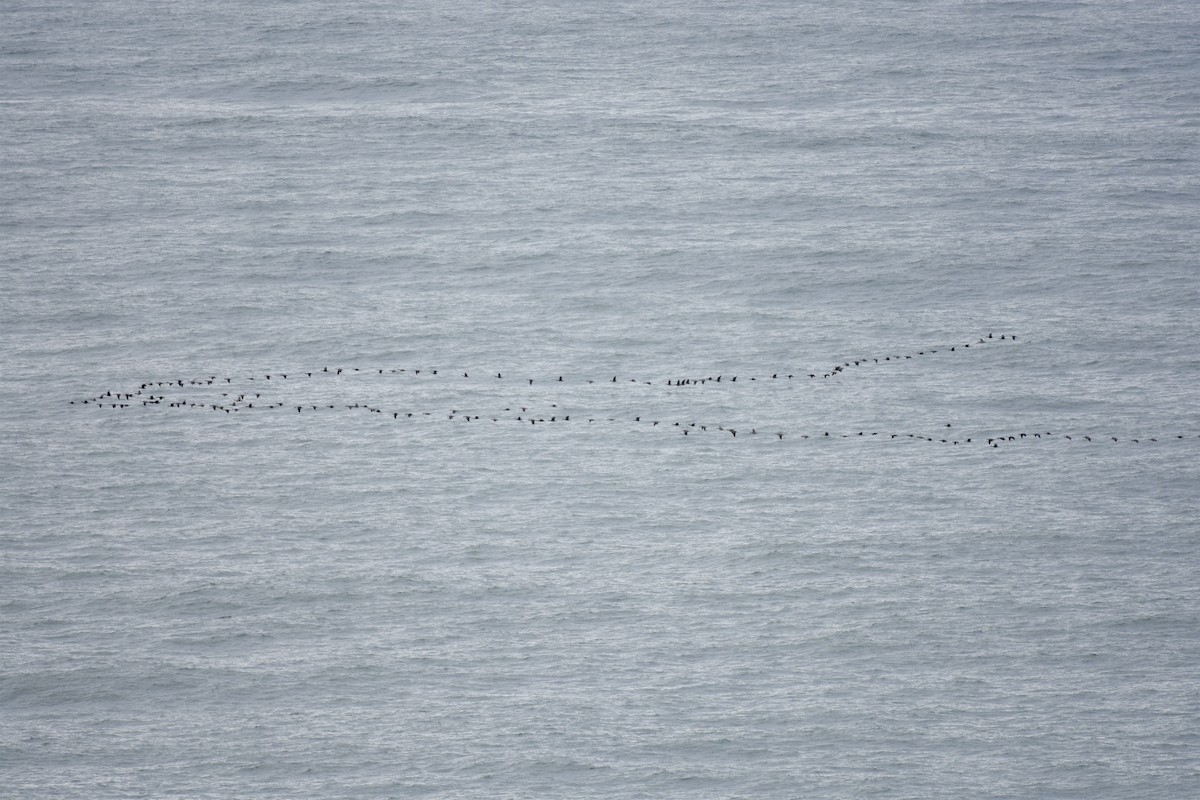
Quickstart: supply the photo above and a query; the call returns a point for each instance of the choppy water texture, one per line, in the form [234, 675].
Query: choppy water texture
[203, 599]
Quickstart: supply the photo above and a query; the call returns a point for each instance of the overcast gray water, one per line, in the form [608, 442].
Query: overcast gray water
[422, 565]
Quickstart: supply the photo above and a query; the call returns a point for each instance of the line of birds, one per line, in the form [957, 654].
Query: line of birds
[523, 415]
[832, 372]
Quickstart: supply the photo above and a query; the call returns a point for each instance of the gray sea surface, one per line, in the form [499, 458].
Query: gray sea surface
[215, 584]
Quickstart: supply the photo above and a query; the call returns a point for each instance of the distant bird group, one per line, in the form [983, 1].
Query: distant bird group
[167, 394]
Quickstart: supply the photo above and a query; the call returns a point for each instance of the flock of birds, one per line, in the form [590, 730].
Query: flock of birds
[253, 394]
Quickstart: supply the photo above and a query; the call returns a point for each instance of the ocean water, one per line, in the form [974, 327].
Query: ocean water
[591, 587]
